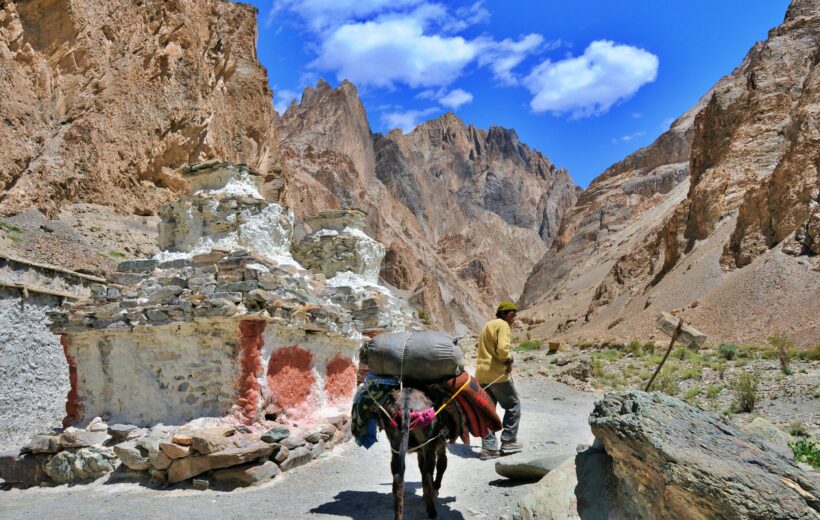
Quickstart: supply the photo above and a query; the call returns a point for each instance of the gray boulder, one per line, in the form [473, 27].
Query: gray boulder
[774, 438]
[82, 465]
[673, 460]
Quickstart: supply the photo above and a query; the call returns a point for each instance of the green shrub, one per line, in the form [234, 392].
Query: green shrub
[806, 451]
[727, 351]
[745, 389]
[116, 254]
[690, 373]
[667, 383]
[812, 354]
[691, 393]
[798, 429]
[782, 345]
[526, 346]
[649, 348]
[634, 347]
[611, 354]
[681, 353]
[713, 391]
[597, 368]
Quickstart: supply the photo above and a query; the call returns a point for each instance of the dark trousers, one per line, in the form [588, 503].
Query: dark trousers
[505, 395]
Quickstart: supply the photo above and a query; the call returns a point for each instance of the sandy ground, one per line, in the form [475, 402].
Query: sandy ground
[349, 482]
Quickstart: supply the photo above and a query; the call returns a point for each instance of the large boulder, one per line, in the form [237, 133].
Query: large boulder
[82, 465]
[672, 460]
[580, 487]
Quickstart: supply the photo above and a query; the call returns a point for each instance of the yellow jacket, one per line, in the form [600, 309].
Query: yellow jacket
[493, 352]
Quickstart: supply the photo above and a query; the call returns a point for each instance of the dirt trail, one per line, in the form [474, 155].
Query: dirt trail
[349, 482]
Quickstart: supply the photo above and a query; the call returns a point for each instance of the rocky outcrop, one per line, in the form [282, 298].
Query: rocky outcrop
[672, 460]
[733, 184]
[103, 101]
[463, 212]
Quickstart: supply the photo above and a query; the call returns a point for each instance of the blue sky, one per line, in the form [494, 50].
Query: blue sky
[586, 83]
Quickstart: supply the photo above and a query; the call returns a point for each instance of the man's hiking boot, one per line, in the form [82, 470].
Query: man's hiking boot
[508, 447]
[489, 454]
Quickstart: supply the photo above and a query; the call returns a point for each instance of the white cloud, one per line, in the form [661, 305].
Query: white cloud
[395, 49]
[321, 15]
[629, 137]
[283, 98]
[455, 98]
[590, 84]
[407, 120]
[502, 57]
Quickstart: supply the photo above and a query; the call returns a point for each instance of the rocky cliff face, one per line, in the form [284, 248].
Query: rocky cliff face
[103, 101]
[733, 184]
[464, 213]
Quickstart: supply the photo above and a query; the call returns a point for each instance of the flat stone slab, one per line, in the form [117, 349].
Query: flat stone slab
[689, 336]
[532, 465]
[183, 469]
[210, 440]
[296, 457]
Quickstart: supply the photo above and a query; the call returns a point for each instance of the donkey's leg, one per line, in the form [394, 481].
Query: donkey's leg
[427, 479]
[441, 463]
[397, 468]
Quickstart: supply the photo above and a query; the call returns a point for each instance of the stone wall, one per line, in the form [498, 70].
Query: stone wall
[33, 372]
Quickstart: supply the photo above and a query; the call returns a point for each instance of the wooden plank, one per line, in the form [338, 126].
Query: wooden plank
[689, 336]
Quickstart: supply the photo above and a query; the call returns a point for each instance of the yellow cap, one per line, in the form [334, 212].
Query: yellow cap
[507, 306]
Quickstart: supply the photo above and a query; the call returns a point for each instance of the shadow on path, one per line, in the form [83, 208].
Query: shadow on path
[373, 505]
[462, 450]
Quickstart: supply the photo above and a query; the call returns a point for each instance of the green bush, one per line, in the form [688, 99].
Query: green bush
[692, 393]
[798, 429]
[667, 383]
[634, 347]
[782, 344]
[690, 373]
[745, 389]
[806, 451]
[526, 346]
[597, 368]
[713, 391]
[812, 354]
[727, 351]
[681, 353]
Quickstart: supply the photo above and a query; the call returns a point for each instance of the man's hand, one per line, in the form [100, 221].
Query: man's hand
[509, 364]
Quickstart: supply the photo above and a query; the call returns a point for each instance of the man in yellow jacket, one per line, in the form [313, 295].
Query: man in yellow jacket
[494, 365]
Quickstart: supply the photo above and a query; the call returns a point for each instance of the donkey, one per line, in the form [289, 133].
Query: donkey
[428, 442]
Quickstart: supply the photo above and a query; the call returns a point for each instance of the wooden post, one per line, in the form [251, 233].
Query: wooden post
[660, 366]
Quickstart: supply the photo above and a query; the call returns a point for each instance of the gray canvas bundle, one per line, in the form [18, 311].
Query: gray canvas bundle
[423, 356]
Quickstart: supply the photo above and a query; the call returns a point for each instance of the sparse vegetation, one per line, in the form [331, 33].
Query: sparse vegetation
[812, 354]
[713, 391]
[692, 393]
[727, 351]
[423, 317]
[526, 346]
[635, 348]
[798, 429]
[11, 232]
[649, 348]
[116, 254]
[806, 451]
[667, 383]
[745, 389]
[597, 368]
[782, 344]
[680, 353]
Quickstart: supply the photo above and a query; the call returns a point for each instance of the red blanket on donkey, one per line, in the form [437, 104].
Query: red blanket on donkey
[472, 409]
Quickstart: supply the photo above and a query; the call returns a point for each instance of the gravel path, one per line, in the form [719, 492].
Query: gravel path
[349, 482]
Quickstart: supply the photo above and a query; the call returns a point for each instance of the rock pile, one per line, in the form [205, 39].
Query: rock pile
[230, 455]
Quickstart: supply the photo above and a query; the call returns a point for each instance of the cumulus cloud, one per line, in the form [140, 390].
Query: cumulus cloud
[503, 56]
[395, 49]
[283, 99]
[455, 98]
[406, 120]
[452, 98]
[592, 83]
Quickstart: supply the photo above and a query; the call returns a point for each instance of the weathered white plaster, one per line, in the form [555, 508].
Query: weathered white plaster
[167, 374]
[33, 370]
